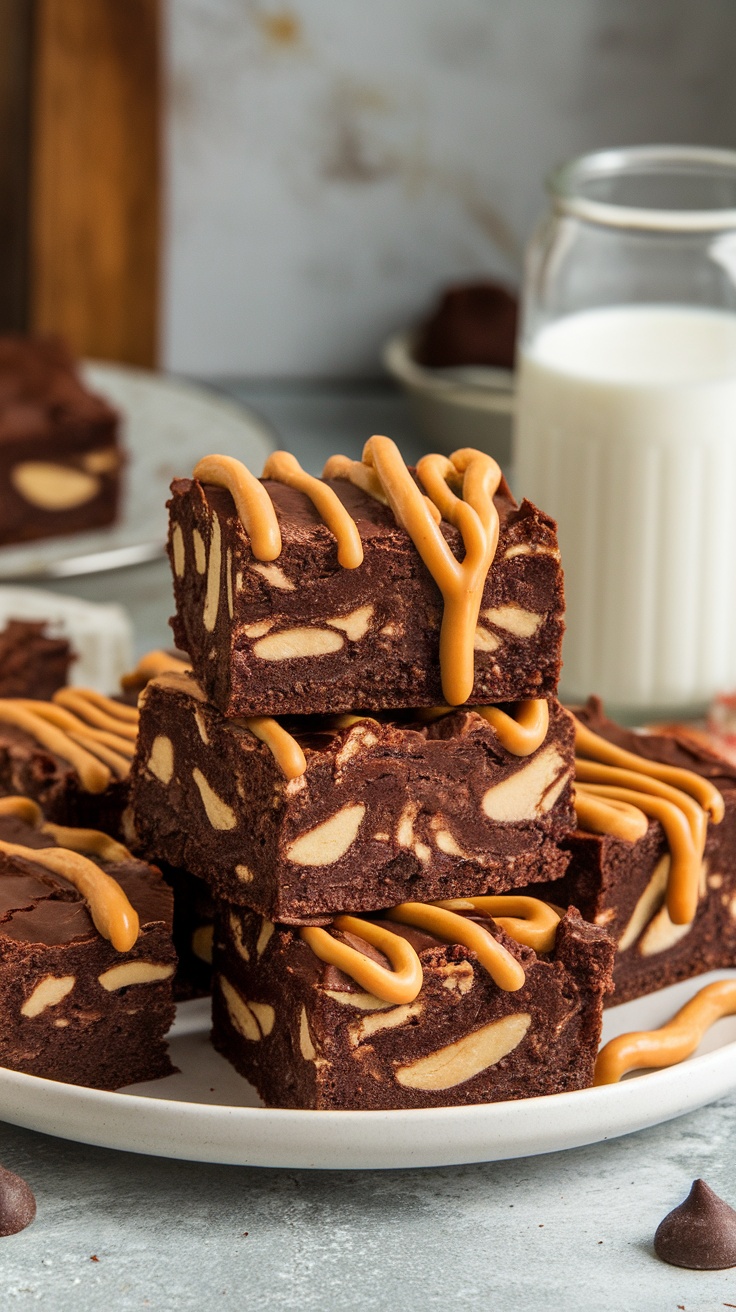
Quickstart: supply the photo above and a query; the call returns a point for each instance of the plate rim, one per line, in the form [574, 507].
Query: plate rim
[293, 1138]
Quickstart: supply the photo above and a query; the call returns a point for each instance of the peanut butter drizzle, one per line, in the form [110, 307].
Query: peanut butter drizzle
[592, 747]
[617, 819]
[671, 1043]
[504, 970]
[355, 472]
[402, 984]
[521, 733]
[383, 474]
[476, 518]
[284, 468]
[525, 919]
[149, 666]
[592, 772]
[90, 842]
[684, 874]
[94, 776]
[113, 916]
[285, 749]
[77, 840]
[100, 711]
[109, 747]
[23, 808]
[528, 920]
[608, 776]
[252, 502]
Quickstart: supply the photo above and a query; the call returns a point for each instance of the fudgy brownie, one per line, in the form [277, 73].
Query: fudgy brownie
[74, 1007]
[60, 458]
[374, 813]
[72, 754]
[286, 628]
[622, 884]
[308, 1034]
[32, 664]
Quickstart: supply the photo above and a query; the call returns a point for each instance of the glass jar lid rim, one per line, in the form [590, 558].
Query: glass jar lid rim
[565, 183]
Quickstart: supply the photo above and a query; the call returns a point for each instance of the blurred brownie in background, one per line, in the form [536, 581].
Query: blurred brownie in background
[32, 664]
[473, 323]
[60, 457]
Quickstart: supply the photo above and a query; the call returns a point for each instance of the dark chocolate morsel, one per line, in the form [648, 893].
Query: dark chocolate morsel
[700, 1233]
[17, 1203]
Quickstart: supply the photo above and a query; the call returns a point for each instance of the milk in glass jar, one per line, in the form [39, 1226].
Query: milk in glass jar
[626, 421]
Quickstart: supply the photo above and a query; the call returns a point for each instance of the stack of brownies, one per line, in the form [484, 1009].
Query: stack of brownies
[421, 865]
[365, 765]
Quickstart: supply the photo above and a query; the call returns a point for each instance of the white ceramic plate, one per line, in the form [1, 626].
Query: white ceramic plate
[207, 1113]
[167, 426]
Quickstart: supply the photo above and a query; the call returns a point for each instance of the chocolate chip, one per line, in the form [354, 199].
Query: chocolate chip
[700, 1233]
[17, 1204]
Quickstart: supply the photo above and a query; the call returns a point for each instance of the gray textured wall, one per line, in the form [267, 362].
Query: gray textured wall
[333, 162]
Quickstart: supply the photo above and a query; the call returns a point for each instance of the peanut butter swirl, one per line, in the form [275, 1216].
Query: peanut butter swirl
[615, 791]
[112, 914]
[673, 1042]
[459, 490]
[525, 919]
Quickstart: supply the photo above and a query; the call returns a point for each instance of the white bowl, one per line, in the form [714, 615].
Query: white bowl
[454, 408]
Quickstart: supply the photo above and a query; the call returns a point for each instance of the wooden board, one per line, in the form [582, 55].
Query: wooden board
[95, 176]
[16, 25]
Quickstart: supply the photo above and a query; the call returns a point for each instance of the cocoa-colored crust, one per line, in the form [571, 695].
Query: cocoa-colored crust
[32, 664]
[410, 800]
[28, 769]
[92, 1035]
[392, 606]
[309, 1049]
[48, 415]
[607, 876]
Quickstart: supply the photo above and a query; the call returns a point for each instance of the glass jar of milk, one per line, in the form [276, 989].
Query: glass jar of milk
[626, 421]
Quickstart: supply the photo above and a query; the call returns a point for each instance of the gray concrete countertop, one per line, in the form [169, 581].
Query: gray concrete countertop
[570, 1231]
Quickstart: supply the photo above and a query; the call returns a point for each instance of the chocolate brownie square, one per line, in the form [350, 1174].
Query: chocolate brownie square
[300, 626]
[622, 883]
[74, 1006]
[377, 813]
[308, 1034]
[60, 457]
[72, 754]
[32, 664]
